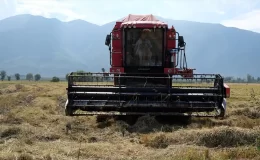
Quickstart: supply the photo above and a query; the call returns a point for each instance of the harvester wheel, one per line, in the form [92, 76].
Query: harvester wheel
[222, 109]
[68, 110]
[222, 113]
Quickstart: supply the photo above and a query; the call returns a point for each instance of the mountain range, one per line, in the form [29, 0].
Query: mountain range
[34, 44]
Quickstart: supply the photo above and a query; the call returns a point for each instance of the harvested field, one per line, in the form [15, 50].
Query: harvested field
[33, 126]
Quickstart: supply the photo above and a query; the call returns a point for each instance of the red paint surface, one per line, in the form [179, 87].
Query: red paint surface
[170, 71]
[117, 59]
[117, 70]
[227, 88]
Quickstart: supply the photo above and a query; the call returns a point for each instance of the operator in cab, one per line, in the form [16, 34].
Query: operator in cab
[143, 48]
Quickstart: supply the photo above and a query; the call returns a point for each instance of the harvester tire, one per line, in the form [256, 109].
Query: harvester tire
[222, 113]
[68, 110]
[223, 109]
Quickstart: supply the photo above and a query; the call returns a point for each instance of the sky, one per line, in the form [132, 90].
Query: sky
[243, 14]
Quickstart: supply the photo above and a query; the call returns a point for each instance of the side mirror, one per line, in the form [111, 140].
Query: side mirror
[108, 40]
[181, 42]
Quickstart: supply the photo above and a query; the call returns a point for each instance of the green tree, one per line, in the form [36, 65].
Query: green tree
[37, 77]
[248, 78]
[17, 76]
[55, 79]
[9, 78]
[3, 75]
[29, 77]
[239, 80]
[253, 79]
[104, 75]
[228, 79]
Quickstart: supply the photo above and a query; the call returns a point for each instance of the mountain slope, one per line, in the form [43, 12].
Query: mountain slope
[51, 47]
[46, 46]
[216, 48]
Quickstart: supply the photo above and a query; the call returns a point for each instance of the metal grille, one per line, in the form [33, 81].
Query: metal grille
[101, 92]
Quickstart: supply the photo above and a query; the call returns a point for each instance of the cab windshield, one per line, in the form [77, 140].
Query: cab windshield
[144, 47]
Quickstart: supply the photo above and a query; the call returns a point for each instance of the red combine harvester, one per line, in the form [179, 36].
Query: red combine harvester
[148, 75]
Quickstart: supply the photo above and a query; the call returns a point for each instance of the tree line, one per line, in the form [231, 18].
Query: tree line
[37, 77]
[249, 79]
[29, 76]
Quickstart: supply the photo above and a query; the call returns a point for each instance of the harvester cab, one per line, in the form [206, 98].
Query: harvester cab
[148, 75]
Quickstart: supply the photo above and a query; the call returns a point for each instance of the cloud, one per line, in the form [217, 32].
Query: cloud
[48, 8]
[101, 12]
[248, 21]
[7, 8]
